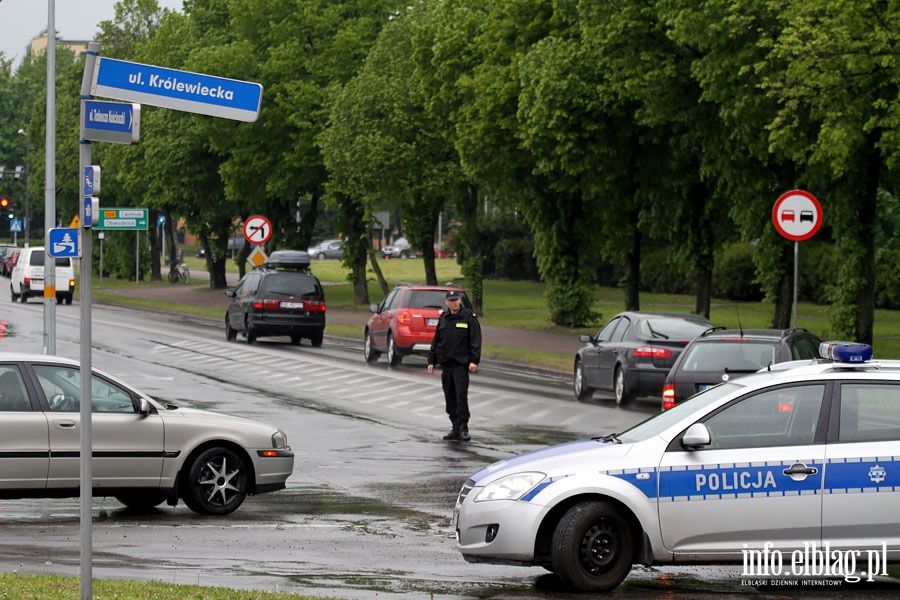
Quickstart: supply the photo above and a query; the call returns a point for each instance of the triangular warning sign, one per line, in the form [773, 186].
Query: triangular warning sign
[76, 222]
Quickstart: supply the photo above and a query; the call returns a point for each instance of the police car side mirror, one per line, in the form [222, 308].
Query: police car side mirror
[696, 436]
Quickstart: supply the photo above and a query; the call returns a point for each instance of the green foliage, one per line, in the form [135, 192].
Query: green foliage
[733, 274]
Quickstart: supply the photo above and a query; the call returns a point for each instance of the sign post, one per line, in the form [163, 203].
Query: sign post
[797, 216]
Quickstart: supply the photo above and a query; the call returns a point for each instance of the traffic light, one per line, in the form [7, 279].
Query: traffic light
[4, 202]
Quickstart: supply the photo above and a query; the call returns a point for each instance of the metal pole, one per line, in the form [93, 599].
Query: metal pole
[86, 455]
[27, 196]
[50, 186]
[796, 277]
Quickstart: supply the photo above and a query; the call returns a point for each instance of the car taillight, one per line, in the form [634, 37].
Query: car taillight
[314, 305]
[71, 283]
[668, 396]
[652, 352]
[27, 280]
[404, 317]
[267, 304]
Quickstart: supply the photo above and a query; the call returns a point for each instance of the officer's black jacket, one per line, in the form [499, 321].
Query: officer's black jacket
[457, 340]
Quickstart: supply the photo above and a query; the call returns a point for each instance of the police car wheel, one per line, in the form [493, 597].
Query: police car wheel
[592, 547]
[582, 392]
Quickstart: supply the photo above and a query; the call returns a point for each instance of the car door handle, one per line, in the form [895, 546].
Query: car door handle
[64, 424]
[800, 469]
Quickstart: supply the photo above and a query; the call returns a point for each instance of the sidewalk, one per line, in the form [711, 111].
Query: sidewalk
[196, 294]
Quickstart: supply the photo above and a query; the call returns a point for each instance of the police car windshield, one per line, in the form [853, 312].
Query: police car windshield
[664, 420]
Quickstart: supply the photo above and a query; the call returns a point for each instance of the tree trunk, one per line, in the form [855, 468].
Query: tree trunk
[865, 316]
[633, 268]
[473, 269]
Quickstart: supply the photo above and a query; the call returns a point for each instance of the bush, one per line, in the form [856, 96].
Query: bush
[734, 274]
[660, 275]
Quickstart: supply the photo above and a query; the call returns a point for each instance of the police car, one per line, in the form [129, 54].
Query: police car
[794, 456]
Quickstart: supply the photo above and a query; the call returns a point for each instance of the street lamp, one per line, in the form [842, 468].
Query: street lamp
[27, 160]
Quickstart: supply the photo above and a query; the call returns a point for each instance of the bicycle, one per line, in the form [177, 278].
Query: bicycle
[179, 273]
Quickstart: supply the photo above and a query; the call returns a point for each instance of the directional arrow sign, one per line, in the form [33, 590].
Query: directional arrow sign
[122, 219]
[180, 90]
[115, 122]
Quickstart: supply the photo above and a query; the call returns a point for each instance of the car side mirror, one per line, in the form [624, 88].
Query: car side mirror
[373, 308]
[696, 436]
[143, 407]
[229, 293]
[585, 339]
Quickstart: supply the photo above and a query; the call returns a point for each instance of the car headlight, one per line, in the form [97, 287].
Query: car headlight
[279, 439]
[511, 487]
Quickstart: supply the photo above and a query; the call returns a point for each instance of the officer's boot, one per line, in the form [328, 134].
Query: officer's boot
[454, 433]
[464, 432]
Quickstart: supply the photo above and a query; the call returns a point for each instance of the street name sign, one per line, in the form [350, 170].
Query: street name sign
[116, 122]
[179, 90]
[122, 219]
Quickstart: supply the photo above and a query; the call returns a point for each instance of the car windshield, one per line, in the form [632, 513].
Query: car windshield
[288, 284]
[671, 329]
[429, 299]
[731, 355]
[657, 424]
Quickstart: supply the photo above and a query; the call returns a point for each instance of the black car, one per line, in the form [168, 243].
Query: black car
[722, 354]
[279, 297]
[633, 352]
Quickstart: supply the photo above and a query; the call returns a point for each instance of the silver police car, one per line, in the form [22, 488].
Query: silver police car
[798, 457]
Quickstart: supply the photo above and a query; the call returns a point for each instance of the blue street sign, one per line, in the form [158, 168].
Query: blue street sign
[115, 122]
[15, 226]
[64, 242]
[92, 180]
[180, 90]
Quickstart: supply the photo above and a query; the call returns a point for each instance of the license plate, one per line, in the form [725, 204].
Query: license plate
[432, 322]
[291, 305]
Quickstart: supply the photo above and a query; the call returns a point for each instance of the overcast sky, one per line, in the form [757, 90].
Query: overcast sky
[21, 20]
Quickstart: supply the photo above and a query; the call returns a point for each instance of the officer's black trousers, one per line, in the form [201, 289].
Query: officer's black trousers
[455, 379]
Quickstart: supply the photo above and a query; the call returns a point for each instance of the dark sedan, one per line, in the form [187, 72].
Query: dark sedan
[631, 355]
[724, 354]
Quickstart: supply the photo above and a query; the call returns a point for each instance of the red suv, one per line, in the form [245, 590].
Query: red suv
[404, 323]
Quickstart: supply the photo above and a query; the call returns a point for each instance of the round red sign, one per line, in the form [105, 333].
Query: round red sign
[257, 229]
[797, 215]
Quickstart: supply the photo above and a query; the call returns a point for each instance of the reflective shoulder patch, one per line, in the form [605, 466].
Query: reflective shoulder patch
[462, 325]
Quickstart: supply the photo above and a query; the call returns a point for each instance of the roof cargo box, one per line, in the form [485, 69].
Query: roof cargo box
[288, 259]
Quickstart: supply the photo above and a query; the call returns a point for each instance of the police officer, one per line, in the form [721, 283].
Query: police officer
[457, 348]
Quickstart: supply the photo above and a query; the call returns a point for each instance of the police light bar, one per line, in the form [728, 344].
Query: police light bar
[848, 352]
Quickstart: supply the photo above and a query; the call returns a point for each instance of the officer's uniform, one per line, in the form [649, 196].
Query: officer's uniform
[456, 344]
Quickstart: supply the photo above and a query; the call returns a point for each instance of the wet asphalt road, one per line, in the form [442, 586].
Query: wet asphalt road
[367, 511]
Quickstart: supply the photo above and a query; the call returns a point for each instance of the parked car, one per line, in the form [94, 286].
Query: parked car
[279, 297]
[27, 278]
[6, 252]
[760, 471]
[145, 452]
[722, 354]
[326, 249]
[9, 260]
[633, 352]
[400, 248]
[405, 321]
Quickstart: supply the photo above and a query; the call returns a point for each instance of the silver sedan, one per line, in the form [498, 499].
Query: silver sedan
[144, 452]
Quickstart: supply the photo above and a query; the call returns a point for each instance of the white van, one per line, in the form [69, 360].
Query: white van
[27, 278]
